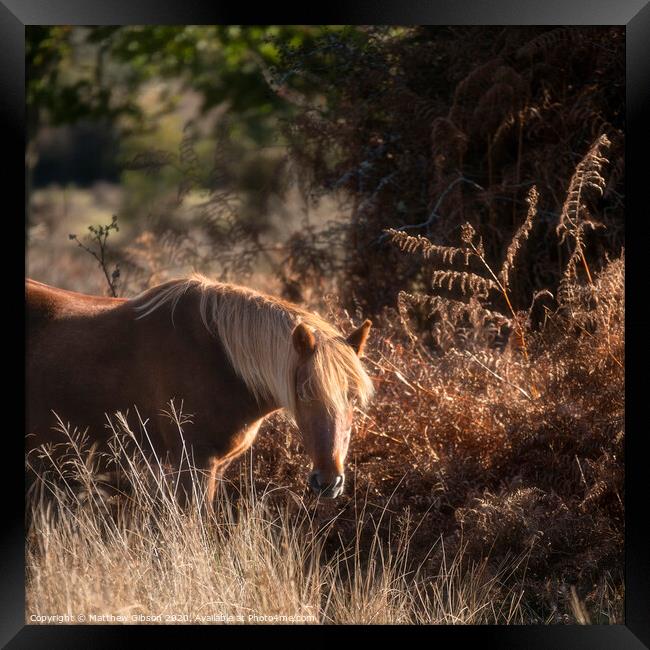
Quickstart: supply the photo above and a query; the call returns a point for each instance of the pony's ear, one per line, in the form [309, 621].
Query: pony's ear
[358, 338]
[303, 340]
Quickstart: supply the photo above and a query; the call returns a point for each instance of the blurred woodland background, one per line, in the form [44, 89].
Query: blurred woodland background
[291, 149]
[461, 186]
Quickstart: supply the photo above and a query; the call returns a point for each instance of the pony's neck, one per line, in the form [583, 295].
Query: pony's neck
[254, 331]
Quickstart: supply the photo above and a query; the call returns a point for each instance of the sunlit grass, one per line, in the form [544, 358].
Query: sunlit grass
[258, 557]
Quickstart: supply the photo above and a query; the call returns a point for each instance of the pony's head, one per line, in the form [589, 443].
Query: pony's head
[329, 379]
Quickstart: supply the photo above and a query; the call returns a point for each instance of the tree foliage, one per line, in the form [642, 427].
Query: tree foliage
[96, 72]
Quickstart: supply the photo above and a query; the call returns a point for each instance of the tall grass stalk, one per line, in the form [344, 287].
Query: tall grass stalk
[257, 557]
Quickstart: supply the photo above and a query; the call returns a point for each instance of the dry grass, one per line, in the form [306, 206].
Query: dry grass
[260, 557]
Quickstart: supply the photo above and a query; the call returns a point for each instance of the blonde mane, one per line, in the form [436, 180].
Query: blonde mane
[255, 330]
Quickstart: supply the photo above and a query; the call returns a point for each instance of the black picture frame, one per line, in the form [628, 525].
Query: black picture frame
[633, 14]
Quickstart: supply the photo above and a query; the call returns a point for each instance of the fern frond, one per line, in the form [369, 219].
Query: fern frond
[468, 283]
[425, 248]
[587, 176]
[520, 237]
[574, 218]
[550, 41]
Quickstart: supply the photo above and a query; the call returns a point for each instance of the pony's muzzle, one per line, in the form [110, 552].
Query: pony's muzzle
[328, 488]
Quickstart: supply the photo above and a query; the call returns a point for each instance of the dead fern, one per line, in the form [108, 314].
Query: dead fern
[475, 311]
[551, 41]
[575, 218]
[468, 283]
[519, 238]
[427, 249]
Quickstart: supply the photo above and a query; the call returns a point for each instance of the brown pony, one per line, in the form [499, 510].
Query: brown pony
[232, 354]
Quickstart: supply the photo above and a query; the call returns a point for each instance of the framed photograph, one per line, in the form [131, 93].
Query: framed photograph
[326, 323]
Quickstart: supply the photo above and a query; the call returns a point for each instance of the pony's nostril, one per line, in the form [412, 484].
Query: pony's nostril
[331, 487]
